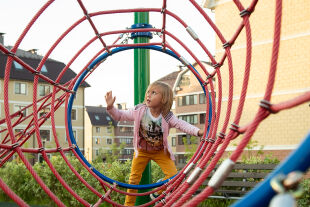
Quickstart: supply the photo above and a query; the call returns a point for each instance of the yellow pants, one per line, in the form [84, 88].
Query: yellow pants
[138, 165]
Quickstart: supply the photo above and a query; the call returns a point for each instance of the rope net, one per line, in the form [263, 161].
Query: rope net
[211, 147]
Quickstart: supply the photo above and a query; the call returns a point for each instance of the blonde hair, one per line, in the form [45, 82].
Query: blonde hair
[167, 95]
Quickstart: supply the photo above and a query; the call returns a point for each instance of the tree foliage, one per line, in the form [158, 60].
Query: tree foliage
[18, 178]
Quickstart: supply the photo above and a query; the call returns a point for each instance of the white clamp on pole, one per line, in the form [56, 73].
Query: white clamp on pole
[192, 33]
[184, 61]
[221, 173]
[191, 179]
[188, 168]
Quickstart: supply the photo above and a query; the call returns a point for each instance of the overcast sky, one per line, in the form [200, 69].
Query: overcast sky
[116, 73]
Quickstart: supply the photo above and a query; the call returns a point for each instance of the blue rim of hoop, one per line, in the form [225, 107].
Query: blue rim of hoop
[71, 99]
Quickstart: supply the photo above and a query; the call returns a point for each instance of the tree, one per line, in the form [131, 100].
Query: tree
[190, 146]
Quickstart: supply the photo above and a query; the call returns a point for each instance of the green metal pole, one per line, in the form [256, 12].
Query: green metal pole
[141, 82]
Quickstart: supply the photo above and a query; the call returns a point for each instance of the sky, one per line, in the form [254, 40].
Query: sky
[117, 72]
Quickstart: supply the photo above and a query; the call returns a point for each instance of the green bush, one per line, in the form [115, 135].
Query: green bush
[18, 178]
[157, 173]
[304, 201]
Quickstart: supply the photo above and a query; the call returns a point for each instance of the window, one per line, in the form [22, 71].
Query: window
[202, 98]
[185, 80]
[192, 119]
[20, 88]
[125, 129]
[98, 129]
[108, 118]
[44, 69]
[109, 141]
[109, 129]
[44, 90]
[202, 118]
[125, 140]
[17, 65]
[181, 159]
[73, 114]
[97, 117]
[97, 141]
[97, 152]
[173, 140]
[126, 152]
[180, 140]
[20, 107]
[185, 137]
[192, 99]
[45, 135]
[187, 100]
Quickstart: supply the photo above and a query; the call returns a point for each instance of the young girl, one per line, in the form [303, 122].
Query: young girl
[152, 121]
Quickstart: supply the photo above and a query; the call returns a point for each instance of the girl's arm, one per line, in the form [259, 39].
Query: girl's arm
[121, 115]
[185, 127]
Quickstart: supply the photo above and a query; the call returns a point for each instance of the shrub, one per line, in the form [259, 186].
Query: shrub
[304, 201]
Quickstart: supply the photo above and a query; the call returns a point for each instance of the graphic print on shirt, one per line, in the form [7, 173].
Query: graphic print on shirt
[151, 131]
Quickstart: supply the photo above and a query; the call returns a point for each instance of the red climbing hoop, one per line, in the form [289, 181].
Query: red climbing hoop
[183, 186]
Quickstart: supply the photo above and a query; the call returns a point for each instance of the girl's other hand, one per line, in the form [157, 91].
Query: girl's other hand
[109, 99]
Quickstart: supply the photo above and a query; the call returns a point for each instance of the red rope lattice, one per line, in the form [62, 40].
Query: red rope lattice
[179, 191]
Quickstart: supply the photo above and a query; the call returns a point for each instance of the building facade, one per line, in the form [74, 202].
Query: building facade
[124, 139]
[104, 136]
[99, 132]
[21, 98]
[282, 132]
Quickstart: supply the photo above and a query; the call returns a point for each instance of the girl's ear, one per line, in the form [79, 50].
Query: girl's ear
[163, 100]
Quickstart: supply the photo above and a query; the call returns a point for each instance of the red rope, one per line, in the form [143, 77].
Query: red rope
[163, 28]
[180, 191]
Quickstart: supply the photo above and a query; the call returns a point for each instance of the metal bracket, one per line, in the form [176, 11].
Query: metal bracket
[188, 168]
[184, 61]
[245, 12]
[221, 173]
[191, 179]
[192, 33]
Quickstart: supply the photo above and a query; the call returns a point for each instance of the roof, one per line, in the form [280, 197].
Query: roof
[170, 78]
[53, 68]
[99, 116]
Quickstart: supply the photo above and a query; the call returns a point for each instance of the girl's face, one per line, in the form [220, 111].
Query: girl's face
[154, 97]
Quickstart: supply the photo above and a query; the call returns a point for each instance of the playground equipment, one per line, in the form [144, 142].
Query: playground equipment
[187, 181]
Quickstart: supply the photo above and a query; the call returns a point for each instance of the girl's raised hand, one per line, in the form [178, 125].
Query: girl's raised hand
[109, 99]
